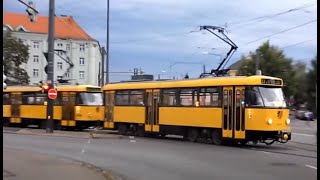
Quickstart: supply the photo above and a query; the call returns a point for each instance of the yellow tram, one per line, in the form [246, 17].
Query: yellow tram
[220, 109]
[78, 106]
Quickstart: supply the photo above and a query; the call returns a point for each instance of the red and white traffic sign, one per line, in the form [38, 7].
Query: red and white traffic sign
[52, 93]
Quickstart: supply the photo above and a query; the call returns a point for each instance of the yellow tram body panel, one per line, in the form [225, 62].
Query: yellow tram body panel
[257, 119]
[39, 112]
[129, 114]
[89, 113]
[33, 111]
[185, 116]
[6, 110]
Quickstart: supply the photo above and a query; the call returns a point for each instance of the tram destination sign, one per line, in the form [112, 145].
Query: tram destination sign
[271, 81]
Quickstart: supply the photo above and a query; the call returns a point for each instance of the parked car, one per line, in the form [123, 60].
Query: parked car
[304, 115]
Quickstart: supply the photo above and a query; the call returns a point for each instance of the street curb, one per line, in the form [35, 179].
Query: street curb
[107, 174]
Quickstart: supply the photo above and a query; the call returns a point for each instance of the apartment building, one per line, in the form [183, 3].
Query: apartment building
[77, 55]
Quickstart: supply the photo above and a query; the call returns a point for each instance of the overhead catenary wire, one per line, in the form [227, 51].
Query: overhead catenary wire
[155, 37]
[280, 32]
[292, 45]
[264, 18]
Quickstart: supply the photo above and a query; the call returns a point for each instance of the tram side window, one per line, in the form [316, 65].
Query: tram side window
[187, 97]
[28, 98]
[122, 98]
[6, 99]
[168, 97]
[209, 97]
[34, 99]
[137, 97]
[253, 97]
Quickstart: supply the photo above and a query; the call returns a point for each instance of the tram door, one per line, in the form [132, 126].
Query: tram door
[152, 111]
[16, 102]
[68, 105]
[109, 108]
[233, 112]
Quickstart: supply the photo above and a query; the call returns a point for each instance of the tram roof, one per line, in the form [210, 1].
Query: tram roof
[200, 82]
[71, 88]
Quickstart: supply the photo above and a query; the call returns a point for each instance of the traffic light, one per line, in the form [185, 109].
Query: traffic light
[46, 56]
[45, 87]
[31, 12]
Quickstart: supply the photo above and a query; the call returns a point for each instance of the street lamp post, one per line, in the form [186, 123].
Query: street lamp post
[107, 45]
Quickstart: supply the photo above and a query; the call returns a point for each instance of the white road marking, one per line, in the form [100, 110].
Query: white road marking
[133, 141]
[131, 137]
[266, 152]
[89, 141]
[312, 167]
[82, 151]
[304, 128]
[300, 134]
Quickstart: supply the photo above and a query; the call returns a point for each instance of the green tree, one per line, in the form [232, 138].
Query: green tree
[272, 62]
[311, 84]
[15, 54]
[300, 77]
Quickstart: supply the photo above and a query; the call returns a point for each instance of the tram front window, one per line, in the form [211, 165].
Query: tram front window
[266, 97]
[91, 99]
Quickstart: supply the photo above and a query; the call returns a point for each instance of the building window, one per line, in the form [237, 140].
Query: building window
[81, 61]
[81, 74]
[60, 53]
[59, 77]
[68, 47]
[60, 45]
[81, 47]
[67, 75]
[59, 65]
[36, 58]
[35, 73]
[36, 45]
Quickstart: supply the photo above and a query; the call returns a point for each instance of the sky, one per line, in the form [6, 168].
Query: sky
[163, 37]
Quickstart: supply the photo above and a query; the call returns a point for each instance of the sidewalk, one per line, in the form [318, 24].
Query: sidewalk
[23, 165]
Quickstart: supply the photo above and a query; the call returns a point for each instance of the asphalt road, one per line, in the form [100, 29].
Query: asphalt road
[304, 131]
[148, 158]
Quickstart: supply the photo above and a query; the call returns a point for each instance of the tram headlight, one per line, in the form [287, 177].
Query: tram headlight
[288, 121]
[269, 121]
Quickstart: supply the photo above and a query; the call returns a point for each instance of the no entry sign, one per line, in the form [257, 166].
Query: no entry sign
[52, 94]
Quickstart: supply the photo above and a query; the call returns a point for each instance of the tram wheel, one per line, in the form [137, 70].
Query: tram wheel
[217, 137]
[140, 131]
[122, 128]
[193, 134]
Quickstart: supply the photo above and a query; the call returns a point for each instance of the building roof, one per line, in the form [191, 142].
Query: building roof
[65, 27]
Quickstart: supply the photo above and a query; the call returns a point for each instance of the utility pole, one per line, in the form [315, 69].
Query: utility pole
[107, 52]
[50, 124]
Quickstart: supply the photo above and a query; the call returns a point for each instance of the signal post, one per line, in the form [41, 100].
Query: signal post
[32, 12]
